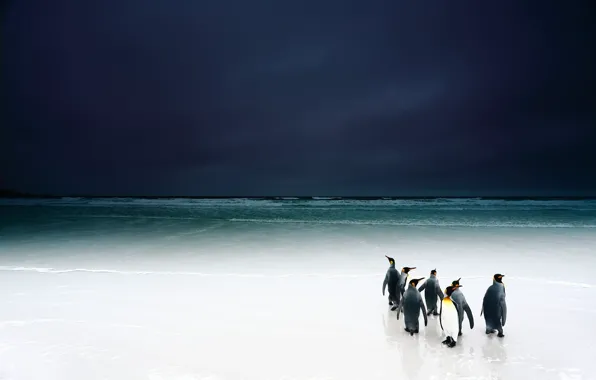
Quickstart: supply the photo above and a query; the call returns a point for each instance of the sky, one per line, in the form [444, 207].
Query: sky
[336, 97]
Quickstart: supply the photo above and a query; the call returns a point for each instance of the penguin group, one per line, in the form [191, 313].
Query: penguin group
[406, 298]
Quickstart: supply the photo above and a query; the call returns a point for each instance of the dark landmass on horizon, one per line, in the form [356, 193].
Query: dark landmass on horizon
[22, 195]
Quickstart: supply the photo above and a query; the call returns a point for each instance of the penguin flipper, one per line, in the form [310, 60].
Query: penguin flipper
[483, 301]
[385, 282]
[503, 311]
[422, 287]
[423, 311]
[460, 318]
[439, 291]
[399, 307]
[469, 314]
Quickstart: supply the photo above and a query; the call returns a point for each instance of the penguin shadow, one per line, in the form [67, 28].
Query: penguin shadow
[441, 358]
[432, 335]
[409, 347]
[494, 352]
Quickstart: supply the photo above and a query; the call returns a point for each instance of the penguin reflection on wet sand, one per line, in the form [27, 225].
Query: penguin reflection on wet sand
[432, 290]
[449, 318]
[462, 305]
[391, 281]
[494, 306]
[405, 278]
[411, 304]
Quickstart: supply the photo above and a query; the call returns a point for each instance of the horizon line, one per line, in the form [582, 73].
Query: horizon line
[21, 195]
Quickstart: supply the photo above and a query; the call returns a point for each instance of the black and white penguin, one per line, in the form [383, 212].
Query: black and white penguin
[405, 278]
[449, 318]
[494, 306]
[432, 291]
[411, 305]
[463, 307]
[391, 282]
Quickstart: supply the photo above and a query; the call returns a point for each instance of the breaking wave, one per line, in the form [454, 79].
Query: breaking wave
[422, 223]
[315, 202]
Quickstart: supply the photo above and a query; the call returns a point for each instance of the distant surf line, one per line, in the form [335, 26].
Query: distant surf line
[412, 224]
[256, 275]
[313, 202]
[132, 217]
[338, 222]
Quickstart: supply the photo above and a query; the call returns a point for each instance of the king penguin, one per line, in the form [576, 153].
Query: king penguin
[432, 290]
[449, 318]
[392, 278]
[462, 305]
[405, 278]
[411, 304]
[494, 306]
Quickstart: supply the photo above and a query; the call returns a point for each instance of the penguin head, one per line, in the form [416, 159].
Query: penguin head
[414, 281]
[498, 278]
[433, 272]
[456, 284]
[407, 269]
[391, 260]
[449, 290]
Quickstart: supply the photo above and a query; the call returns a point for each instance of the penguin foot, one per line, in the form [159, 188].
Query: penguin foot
[460, 334]
[489, 331]
[394, 307]
[429, 312]
[411, 333]
[407, 329]
[435, 313]
[449, 342]
[501, 335]
[390, 303]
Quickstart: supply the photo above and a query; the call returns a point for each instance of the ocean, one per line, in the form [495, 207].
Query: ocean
[285, 288]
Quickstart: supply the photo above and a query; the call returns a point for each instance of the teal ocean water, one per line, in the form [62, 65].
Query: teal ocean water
[28, 214]
[33, 231]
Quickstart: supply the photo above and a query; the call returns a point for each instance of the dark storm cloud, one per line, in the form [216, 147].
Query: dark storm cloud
[347, 97]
